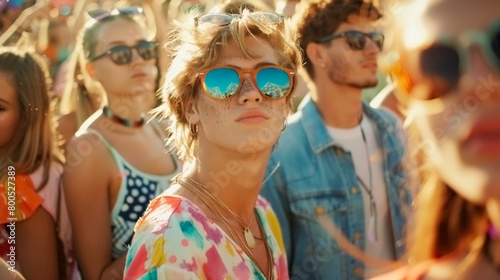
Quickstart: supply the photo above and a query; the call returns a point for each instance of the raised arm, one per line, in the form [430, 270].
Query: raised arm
[156, 9]
[78, 18]
[26, 17]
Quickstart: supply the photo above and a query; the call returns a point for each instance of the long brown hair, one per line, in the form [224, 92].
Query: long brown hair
[34, 143]
[444, 222]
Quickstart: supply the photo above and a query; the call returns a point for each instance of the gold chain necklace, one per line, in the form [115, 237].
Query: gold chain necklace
[209, 199]
[247, 233]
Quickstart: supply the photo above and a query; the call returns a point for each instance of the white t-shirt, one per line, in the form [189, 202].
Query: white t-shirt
[368, 161]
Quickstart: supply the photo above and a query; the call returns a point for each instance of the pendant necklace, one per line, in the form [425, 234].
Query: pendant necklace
[110, 115]
[372, 223]
[247, 233]
[212, 201]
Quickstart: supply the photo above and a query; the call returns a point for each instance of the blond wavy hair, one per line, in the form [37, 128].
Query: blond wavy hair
[196, 48]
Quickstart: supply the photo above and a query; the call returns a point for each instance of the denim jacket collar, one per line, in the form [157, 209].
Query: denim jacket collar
[315, 127]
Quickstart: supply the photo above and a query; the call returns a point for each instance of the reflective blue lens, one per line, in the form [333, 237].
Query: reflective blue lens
[222, 82]
[273, 82]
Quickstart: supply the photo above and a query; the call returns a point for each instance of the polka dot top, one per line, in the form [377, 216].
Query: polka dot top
[137, 189]
[176, 240]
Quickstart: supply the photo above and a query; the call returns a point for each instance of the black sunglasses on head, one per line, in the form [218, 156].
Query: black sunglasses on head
[357, 39]
[100, 14]
[122, 54]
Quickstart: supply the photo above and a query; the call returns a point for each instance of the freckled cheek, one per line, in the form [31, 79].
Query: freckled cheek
[215, 115]
[279, 111]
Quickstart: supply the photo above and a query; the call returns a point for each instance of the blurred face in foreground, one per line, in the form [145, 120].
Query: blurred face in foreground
[451, 71]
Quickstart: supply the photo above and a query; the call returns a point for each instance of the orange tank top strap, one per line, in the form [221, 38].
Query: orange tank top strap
[18, 199]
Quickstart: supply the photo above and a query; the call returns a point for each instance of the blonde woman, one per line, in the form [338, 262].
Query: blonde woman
[82, 96]
[227, 95]
[448, 69]
[117, 162]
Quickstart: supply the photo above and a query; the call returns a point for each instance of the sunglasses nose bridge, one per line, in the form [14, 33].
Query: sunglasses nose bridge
[248, 89]
[135, 54]
[370, 44]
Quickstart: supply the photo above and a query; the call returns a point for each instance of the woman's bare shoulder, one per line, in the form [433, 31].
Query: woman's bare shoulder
[87, 150]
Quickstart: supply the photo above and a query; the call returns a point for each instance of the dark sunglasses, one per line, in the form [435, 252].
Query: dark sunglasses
[100, 14]
[226, 19]
[444, 62]
[122, 54]
[357, 39]
[272, 81]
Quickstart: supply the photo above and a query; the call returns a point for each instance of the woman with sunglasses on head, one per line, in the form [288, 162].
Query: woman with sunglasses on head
[81, 95]
[227, 94]
[448, 69]
[117, 161]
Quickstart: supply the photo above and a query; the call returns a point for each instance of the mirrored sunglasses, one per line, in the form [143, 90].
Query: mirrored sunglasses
[122, 54]
[357, 39]
[272, 81]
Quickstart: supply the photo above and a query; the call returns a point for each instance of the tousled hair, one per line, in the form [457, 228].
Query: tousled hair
[33, 144]
[237, 6]
[317, 19]
[199, 48]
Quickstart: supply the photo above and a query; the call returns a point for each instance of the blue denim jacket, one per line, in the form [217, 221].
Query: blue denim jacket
[316, 177]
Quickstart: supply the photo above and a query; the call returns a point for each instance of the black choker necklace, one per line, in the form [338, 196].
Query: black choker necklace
[107, 112]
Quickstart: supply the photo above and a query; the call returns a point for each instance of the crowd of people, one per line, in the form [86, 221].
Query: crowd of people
[235, 139]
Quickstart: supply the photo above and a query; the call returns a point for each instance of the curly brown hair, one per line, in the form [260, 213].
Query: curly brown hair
[317, 19]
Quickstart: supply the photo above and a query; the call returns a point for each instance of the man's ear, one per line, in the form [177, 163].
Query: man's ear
[316, 54]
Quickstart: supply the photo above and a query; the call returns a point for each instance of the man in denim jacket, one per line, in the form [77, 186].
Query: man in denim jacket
[339, 160]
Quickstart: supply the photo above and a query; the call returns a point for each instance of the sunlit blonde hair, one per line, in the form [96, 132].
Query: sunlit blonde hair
[80, 89]
[34, 143]
[198, 48]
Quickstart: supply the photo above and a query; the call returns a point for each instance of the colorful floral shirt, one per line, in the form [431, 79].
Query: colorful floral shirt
[176, 240]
